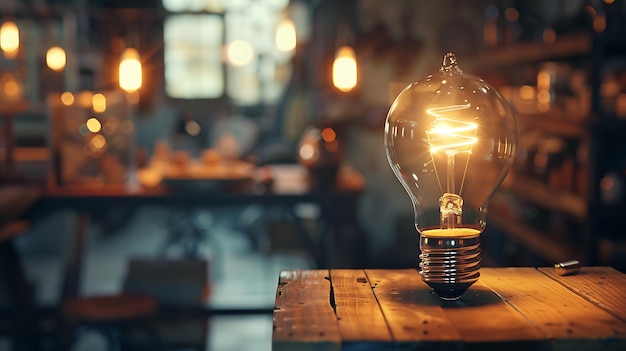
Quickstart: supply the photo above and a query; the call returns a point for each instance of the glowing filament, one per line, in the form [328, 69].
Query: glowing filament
[448, 134]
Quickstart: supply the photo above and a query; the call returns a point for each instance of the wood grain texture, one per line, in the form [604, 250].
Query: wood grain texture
[303, 316]
[566, 318]
[413, 313]
[359, 316]
[603, 286]
[483, 318]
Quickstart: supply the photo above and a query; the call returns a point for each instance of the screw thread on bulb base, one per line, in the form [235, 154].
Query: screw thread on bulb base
[450, 265]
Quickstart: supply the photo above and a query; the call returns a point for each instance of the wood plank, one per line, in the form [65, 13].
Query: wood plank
[361, 321]
[570, 320]
[413, 313]
[603, 286]
[303, 316]
[487, 322]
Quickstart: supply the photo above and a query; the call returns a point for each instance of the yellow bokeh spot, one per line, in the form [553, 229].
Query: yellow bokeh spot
[55, 58]
[99, 103]
[239, 53]
[130, 71]
[98, 142]
[9, 39]
[526, 92]
[344, 70]
[67, 98]
[93, 125]
[286, 35]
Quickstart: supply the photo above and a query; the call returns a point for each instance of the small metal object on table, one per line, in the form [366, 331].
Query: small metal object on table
[507, 309]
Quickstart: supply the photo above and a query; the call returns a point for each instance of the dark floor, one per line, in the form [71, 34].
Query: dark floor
[240, 275]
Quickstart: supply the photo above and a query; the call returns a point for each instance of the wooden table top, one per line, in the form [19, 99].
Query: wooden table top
[508, 308]
[350, 185]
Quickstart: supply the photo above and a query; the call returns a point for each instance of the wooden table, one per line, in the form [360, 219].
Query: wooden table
[507, 309]
[338, 210]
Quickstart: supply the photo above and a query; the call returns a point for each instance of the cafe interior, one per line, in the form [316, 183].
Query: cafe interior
[161, 161]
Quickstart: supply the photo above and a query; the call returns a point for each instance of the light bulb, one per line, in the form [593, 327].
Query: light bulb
[345, 69]
[9, 39]
[450, 139]
[286, 35]
[130, 72]
[56, 58]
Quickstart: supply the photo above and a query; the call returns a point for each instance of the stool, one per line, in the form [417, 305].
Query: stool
[114, 317]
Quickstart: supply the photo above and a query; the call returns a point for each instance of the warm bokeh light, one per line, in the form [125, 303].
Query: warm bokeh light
[67, 98]
[9, 39]
[599, 24]
[526, 92]
[511, 14]
[345, 69]
[307, 152]
[549, 36]
[84, 98]
[543, 97]
[544, 80]
[55, 58]
[10, 86]
[329, 135]
[286, 36]
[130, 74]
[93, 125]
[99, 103]
[239, 53]
[192, 128]
[98, 142]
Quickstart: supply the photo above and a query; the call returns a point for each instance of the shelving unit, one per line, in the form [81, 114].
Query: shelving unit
[516, 54]
[537, 192]
[555, 223]
[532, 193]
[555, 122]
[538, 243]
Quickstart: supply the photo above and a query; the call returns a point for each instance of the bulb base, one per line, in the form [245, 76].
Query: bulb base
[450, 265]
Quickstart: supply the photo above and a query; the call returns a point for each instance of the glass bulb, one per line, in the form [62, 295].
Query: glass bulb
[450, 139]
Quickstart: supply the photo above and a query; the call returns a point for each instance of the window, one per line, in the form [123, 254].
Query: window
[193, 67]
[199, 36]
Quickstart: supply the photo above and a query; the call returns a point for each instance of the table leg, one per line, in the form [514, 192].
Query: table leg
[74, 264]
[9, 162]
[21, 297]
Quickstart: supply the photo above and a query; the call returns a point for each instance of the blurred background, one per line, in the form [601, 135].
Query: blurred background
[223, 81]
